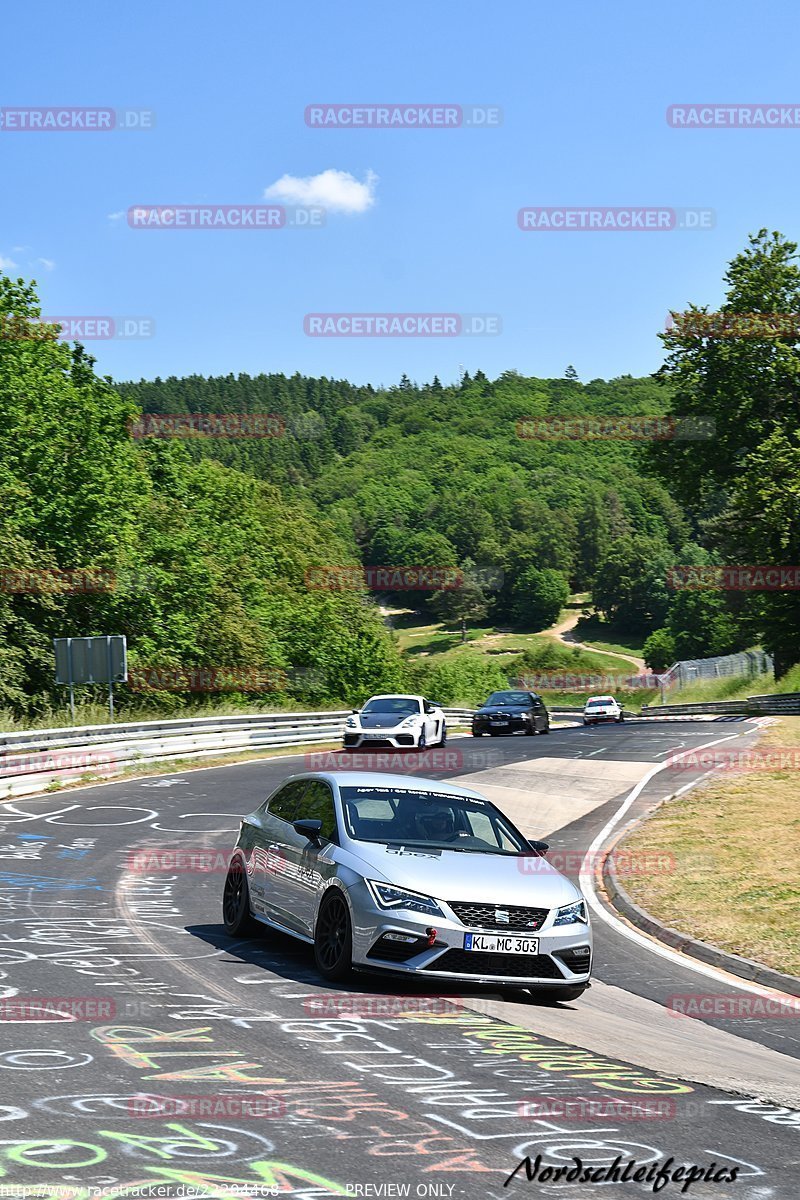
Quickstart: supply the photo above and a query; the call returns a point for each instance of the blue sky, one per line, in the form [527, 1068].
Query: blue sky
[583, 88]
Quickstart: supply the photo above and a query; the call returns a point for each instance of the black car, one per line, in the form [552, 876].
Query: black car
[511, 712]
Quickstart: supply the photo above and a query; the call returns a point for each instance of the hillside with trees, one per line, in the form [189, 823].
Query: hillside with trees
[529, 488]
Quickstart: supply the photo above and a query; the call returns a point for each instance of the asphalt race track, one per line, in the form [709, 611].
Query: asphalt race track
[380, 1089]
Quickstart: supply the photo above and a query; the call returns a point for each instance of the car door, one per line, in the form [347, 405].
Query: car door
[308, 865]
[432, 723]
[538, 713]
[269, 886]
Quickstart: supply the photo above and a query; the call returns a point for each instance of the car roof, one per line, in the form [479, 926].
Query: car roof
[385, 779]
[393, 696]
[600, 698]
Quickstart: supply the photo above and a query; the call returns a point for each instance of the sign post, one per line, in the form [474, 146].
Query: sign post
[101, 659]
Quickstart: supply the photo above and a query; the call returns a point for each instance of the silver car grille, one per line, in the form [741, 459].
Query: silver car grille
[500, 917]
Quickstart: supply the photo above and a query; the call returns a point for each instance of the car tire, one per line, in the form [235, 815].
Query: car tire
[333, 937]
[546, 728]
[422, 744]
[557, 995]
[530, 729]
[443, 739]
[477, 733]
[620, 719]
[236, 915]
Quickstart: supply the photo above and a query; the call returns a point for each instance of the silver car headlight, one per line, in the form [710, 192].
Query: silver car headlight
[386, 895]
[412, 720]
[570, 913]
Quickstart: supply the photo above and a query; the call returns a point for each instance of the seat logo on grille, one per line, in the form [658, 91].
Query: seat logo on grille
[501, 916]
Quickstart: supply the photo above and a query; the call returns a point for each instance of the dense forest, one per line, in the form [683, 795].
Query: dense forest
[209, 537]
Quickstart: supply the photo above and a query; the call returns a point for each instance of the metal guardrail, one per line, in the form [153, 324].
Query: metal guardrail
[35, 760]
[777, 702]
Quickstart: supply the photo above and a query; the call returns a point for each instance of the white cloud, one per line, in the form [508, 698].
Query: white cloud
[47, 263]
[6, 264]
[336, 191]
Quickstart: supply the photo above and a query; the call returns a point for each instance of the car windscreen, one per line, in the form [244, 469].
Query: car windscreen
[431, 819]
[400, 705]
[516, 698]
[601, 703]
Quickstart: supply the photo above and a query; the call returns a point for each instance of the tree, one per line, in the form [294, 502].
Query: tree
[466, 602]
[571, 374]
[729, 381]
[538, 595]
[761, 525]
[630, 587]
[736, 374]
[659, 650]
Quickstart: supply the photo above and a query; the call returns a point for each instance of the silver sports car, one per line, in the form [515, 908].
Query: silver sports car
[414, 876]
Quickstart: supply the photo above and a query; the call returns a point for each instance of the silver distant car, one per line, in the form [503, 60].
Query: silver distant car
[413, 876]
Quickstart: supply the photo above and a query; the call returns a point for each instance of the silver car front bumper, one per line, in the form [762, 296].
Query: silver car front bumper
[556, 964]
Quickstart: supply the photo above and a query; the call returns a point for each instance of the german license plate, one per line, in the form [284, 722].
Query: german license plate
[501, 943]
[498, 722]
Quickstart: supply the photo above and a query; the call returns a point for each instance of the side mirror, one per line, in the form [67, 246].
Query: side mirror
[355, 710]
[540, 848]
[309, 829]
[429, 707]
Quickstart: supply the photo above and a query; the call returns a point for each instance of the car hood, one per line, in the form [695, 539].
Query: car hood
[460, 875]
[381, 720]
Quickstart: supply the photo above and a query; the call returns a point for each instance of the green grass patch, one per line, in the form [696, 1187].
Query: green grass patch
[596, 632]
[734, 882]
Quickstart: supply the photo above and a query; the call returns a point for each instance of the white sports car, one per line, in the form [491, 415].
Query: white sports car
[396, 722]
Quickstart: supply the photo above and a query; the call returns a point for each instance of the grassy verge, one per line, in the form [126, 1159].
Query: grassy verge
[735, 880]
[97, 714]
[736, 688]
[598, 633]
